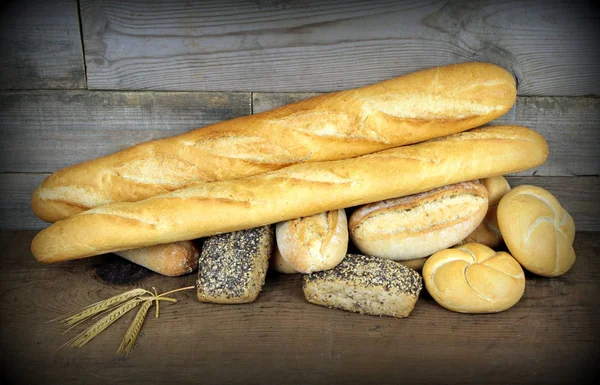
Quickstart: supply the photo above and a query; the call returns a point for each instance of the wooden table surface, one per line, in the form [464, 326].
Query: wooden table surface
[551, 336]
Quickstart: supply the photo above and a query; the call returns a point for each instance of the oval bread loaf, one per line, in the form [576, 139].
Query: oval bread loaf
[279, 264]
[408, 109]
[418, 225]
[296, 191]
[314, 243]
[488, 232]
[171, 259]
[538, 232]
[415, 264]
[473, 278]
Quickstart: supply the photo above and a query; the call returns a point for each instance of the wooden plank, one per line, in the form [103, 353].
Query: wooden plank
[48, 130]
[579, 195]
[331, 45]
[41, 45]
[570, 125]
[549, 337]
[15, 201]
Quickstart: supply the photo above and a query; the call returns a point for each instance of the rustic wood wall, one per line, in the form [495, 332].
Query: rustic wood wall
[82, 79]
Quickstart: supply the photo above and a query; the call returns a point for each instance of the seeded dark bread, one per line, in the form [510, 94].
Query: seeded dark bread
[366, 285]
[232, 266]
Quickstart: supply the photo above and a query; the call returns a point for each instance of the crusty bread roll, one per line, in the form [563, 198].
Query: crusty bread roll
[171, 259]
[473, 278]
[487, 232]
[279, 264]
[314, 243]
[538, 232]
[296, 191]
[232, 267]
[418, 225]
[404, 110]
[366, 285]
[415, 264]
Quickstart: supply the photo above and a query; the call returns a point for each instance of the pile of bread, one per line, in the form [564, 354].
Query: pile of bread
[422, 186]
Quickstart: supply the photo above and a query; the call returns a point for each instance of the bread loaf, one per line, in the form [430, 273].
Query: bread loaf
[313, 243]
[488, 233]
[418, 225]
[171, 259]
[293, 192]
[538, 232]
[404, 110]
[232, 267]
[415, 264]
[279, 264]
[473, 278]
[366, 285]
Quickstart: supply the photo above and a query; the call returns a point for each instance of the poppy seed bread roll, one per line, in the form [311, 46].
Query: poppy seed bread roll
[418, 225]
[232, 267]
[366, 285]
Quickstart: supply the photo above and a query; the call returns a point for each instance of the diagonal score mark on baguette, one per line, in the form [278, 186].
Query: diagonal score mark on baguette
[425, 106]
[253, 149]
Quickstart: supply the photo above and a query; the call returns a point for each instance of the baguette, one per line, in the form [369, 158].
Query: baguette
[293, 192]
[340, 125]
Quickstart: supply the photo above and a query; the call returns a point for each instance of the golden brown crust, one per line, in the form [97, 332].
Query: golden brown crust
[537, 230]
[488, 232]
[473, 278]
[418, 225]
[314, 243]
[171, 259]
[296, 191]
[400, 111]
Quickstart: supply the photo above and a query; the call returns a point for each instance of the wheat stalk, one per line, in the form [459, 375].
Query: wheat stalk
[99, 326]
[134, 329]
[116, 307]
[75, 318]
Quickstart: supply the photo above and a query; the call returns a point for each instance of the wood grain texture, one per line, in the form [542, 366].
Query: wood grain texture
[44, 131]
[550, 337]
[40, 45]
[570, 125]
[318, 45]
[15, 201]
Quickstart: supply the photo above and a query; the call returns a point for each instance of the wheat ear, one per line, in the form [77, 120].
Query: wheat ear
[134, 329]
[88, 334]
[75, 318]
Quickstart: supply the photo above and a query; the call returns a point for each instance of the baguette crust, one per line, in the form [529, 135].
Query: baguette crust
[340, 125]
[293, 192]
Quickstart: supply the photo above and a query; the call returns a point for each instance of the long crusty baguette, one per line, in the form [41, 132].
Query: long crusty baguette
[293, 192]
[340, 125]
